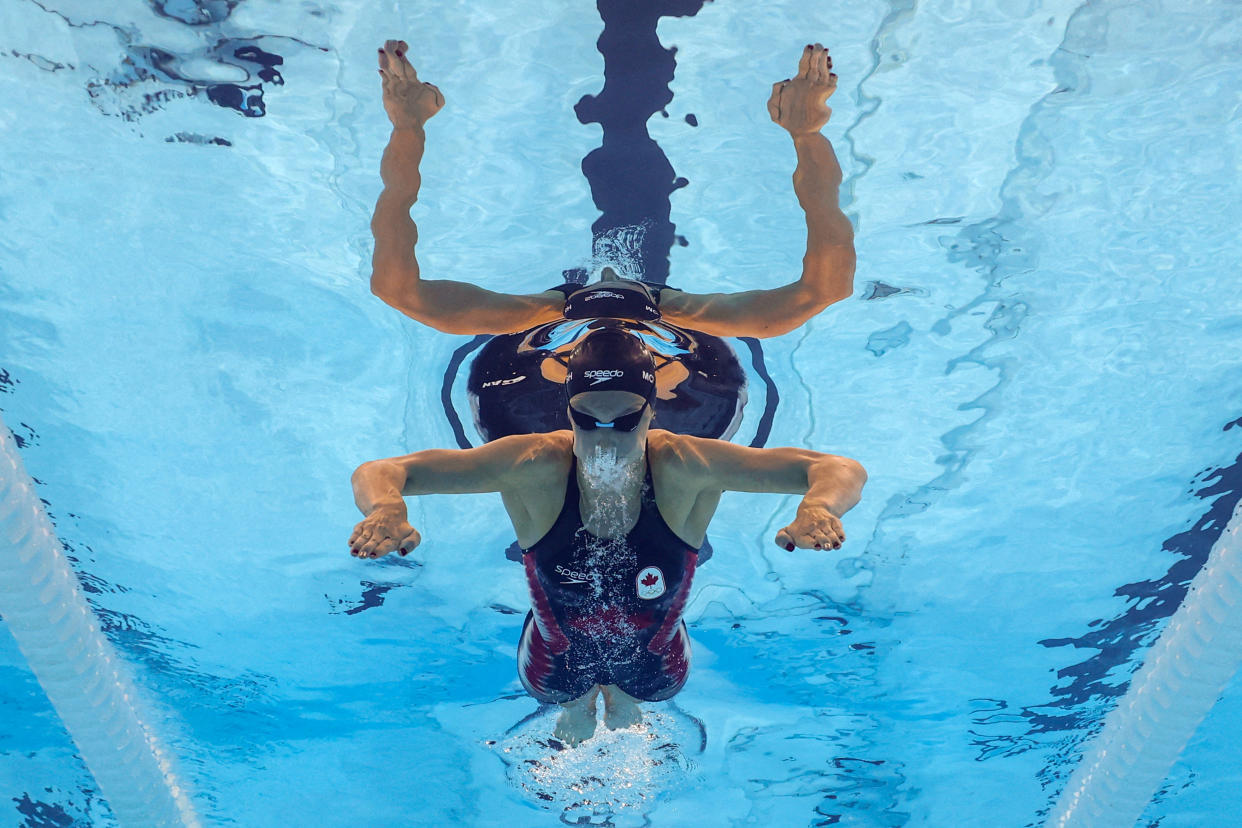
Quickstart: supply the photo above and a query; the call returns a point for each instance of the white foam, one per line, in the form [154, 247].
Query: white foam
[621, 773]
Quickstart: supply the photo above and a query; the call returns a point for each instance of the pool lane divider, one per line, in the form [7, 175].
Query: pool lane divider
[1184, 673]
[47, 613]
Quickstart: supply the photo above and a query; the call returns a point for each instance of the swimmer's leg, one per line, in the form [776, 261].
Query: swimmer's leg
[551, 679]
[620, 708]
[576, 723]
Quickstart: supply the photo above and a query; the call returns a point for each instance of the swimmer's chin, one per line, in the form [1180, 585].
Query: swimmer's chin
[606, 468]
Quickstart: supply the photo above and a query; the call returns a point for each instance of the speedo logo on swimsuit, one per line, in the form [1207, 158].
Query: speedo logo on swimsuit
[603, 294]
[509, 381]
[599, 375]
[574, 577]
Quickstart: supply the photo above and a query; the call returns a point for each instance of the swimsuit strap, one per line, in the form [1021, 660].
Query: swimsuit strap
[572, 492]
[648, 484]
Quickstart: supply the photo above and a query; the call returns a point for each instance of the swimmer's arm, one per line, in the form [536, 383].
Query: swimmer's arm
[830, 484]
[380, 486]
[827, 268]
[497, 466]
[446, 305]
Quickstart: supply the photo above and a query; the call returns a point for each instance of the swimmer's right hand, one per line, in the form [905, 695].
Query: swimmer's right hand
[408, 101]
[799, 103]
[384, 530]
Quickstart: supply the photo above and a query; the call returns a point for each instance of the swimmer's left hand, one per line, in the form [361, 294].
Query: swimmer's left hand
[814, 528]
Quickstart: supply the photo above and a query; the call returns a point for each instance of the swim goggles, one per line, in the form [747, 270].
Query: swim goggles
[626, 422]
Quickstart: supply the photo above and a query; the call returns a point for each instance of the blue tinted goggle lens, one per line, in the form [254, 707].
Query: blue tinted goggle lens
[626, 422]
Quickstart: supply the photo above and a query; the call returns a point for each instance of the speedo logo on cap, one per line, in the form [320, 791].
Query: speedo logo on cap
[603, 294]
[599, 375]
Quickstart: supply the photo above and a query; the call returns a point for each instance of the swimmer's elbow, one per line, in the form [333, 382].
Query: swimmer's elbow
[379, 478]
[843, 471]
[411, 303]
[389, 290]
[838, 294]
[854, 470]
[374, 468]
[363, 473]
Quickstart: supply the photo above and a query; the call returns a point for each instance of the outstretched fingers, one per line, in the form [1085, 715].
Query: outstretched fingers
[393, 62]
[804, 64]
[396, 48]
[819, 66]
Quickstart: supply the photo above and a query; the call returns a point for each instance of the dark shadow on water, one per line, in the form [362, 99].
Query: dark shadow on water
[631, 178]
[1116, 640]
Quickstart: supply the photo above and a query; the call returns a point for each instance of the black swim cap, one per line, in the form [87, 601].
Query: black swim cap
[610, 359]
[626, 299]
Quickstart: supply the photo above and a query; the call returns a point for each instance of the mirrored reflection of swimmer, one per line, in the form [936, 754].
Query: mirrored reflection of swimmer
[610, 515]
[797, 105]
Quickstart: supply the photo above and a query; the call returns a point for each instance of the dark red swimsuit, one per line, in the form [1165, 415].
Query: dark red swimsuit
[606, 611]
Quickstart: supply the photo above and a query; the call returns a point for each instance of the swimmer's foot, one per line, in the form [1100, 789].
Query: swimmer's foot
[621, 710]
[576, 723]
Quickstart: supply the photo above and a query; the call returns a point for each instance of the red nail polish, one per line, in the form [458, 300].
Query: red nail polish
[789, 547]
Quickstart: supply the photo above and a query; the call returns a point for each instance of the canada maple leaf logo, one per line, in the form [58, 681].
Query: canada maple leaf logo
[650, 580]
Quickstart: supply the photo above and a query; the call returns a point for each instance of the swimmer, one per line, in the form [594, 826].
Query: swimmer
[797, 104]
[610, 515]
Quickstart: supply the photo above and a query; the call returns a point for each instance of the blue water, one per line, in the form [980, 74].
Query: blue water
[1039, 368]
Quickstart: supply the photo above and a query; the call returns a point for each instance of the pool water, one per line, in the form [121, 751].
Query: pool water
[1039, 369]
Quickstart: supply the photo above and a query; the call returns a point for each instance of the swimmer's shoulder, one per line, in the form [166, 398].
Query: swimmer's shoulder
[697, 462]
[539, 458]
[676, 454]
[518, 455]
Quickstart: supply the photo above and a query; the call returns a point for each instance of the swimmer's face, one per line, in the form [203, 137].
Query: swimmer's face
[605, 407]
